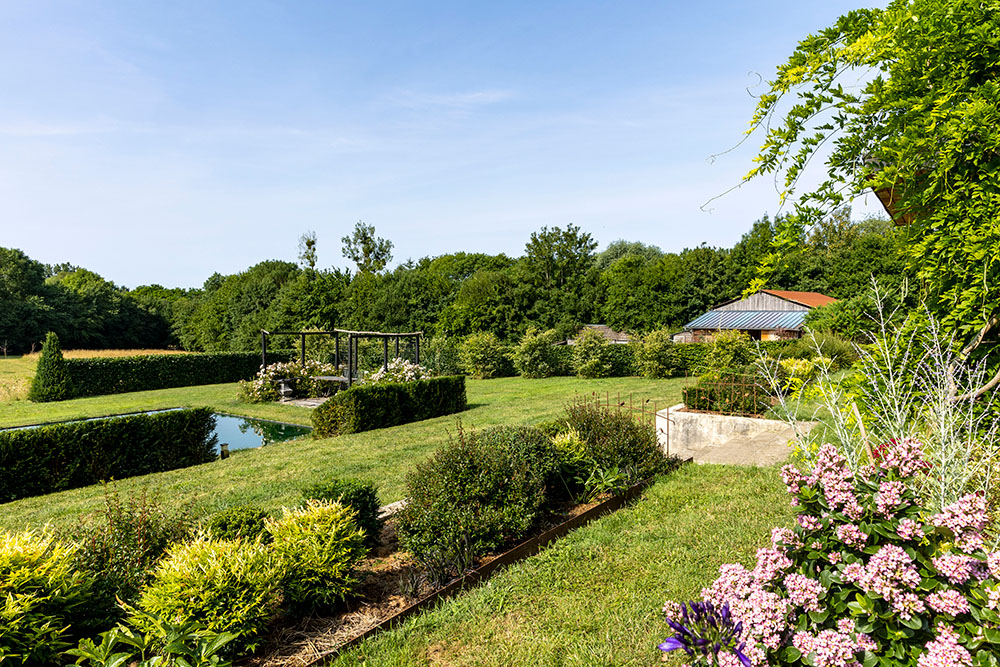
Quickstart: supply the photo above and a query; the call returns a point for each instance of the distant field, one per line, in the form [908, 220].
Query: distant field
[92, 354]
[16, 372]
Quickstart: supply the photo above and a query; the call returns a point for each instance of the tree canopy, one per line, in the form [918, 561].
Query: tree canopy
[922, 130]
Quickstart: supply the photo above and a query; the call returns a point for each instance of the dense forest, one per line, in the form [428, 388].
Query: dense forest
[561, 281]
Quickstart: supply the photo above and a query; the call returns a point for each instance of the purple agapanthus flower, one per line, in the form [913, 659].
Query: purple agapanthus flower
[701, 630]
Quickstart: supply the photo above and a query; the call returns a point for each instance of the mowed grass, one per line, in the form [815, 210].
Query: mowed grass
[595, 596]
[275, 475]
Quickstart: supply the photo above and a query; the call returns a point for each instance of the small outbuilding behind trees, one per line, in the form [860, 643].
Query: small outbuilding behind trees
[764, 315]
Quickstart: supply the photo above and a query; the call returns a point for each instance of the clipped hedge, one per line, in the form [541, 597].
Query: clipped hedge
[54, 458]
[118, 375]
[365, 407]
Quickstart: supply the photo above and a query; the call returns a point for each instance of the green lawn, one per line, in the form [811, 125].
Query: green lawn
[274, 475]
[594, 597]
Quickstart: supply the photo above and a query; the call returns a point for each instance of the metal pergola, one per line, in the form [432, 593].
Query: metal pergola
[352, 347]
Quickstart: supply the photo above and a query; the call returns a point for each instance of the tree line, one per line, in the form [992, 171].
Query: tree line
[560, 282]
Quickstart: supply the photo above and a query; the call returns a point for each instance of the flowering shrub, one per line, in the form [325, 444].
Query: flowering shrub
[866, 577]
[264, 387]
[398, 370]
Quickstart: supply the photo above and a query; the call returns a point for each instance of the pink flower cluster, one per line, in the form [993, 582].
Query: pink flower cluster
[833, 476]
[772, 598]
[851, 535]
[804, 592]
[831, 648]
[957, 568]
[966, 519]
[889, 497]
[890, 574]
[949, 602]
[945, 651]
[908, 529]
[905, 457]
[769, 563]
[809, 523]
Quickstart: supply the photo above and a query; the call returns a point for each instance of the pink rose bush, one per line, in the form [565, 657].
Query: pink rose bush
[866, 577]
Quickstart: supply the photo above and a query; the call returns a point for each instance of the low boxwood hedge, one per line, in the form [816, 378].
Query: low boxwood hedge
[53, 458]
[365, 407]
[118, 375]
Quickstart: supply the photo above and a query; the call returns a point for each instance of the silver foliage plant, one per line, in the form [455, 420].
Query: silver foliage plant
[909, 382]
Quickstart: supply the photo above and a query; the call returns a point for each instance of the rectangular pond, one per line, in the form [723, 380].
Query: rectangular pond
[233, 430]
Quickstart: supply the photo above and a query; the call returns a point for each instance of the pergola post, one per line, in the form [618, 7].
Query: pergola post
[336, 349]
[416, 346]
[263, 349]
[396, 338]
[385, 353]
[303, 350]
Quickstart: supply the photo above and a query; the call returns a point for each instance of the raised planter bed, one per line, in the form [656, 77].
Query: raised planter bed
[383, 605]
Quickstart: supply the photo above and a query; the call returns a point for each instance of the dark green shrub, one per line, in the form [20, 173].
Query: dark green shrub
[358, 494]
[483, 356]
[727, 394]
[615, 440]
[592, 355]
[52, 382]
[223, 585]
[474, 495]
[729, 351]
[535, 355]
[241, 522]
[365, 407]
[656, 355]
[814, 344]
[317, 547]
[121, 546]
[53, 458]
[42, 594]
[116, 375]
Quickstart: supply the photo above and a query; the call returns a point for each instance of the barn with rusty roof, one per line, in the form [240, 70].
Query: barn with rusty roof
[767, 315]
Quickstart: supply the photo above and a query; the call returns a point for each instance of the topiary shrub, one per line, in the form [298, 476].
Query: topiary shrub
[474, 495]
[224, 585]
[52, 381]
[483, 356]
[57, 457]
[616, 441]
[535, 355]
[42, 594]
[867, 576]
[317, 547]
[365, 407]
[241, 522]
[120, 547]
[591, 355]
[656, 355]
[358, 494]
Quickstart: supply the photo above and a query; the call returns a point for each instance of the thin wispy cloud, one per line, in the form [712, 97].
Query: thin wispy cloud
[456, 101]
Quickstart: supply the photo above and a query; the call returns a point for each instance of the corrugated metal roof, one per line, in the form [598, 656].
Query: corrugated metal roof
[754, 320]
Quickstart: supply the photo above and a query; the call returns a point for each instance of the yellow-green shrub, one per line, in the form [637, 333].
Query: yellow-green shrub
[224, 585]
[317, 547]
[41, 592]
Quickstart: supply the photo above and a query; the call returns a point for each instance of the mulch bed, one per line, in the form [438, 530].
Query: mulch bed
[392, 585]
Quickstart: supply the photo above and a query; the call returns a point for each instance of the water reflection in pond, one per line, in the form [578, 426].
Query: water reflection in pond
[247, 432]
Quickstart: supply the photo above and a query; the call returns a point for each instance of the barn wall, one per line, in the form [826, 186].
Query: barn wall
[763, 301]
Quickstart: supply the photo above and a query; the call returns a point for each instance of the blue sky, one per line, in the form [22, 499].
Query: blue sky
[160, 142]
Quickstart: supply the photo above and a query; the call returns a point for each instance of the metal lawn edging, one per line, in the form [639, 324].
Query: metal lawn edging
[480, 574]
